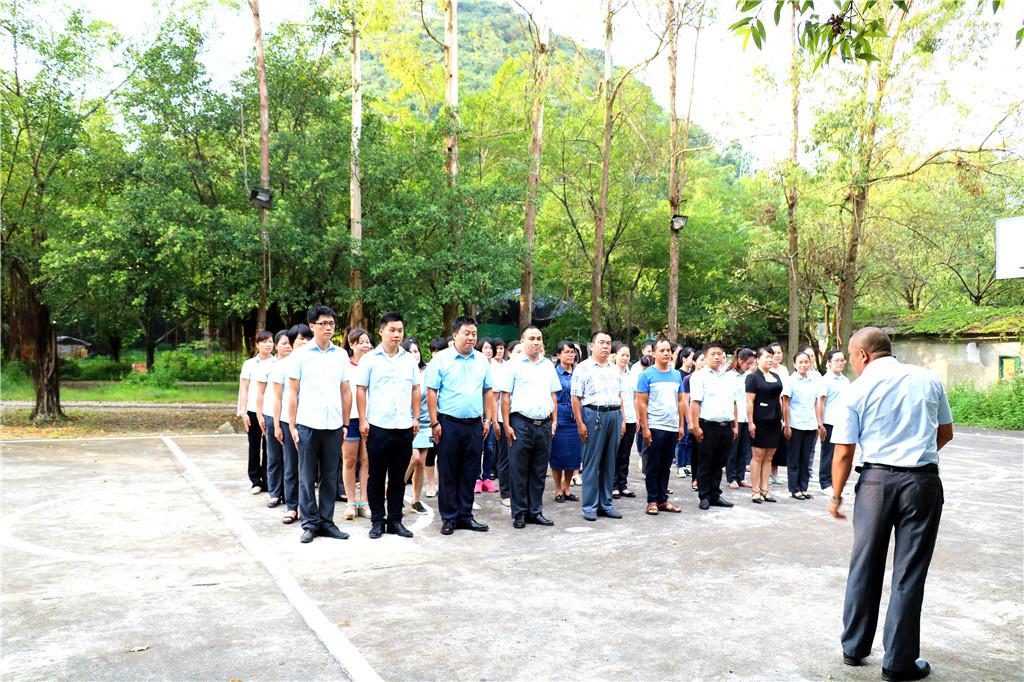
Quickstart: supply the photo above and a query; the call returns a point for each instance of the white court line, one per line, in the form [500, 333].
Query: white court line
[955, 502]
[347, 655]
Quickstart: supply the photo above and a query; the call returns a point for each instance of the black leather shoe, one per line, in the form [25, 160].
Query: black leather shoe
[308, 535]
[471, 524]
[376, 530]
[920, 671]
[540, 520]
[719, 502]
[276, 502]
[610, 513]
[704, 504]
[448, 527]
[331, 531]
[398, 529]
[627, 493]
[519, 521]
[852, 660]
[589, 517]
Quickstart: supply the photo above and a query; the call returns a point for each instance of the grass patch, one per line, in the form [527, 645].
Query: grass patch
[118, 391]
[1000, 406]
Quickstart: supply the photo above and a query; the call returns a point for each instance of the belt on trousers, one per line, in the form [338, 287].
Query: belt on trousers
[473, 420]
[535, 422]
[603, 408]
[925, 469]
[711, 421]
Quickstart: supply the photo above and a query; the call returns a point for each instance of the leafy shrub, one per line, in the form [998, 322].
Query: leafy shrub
[158, 378]
[187, 365]
[1000, 406]
[15, 374]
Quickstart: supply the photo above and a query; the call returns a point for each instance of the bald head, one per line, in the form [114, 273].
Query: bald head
[869, 343]
[873, 340]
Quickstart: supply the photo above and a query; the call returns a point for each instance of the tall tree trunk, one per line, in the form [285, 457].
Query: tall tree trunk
[449, 311]
[261, 71]
[606, 158]
[150, 341]
[451, 138]
[114, 341]
[47, 370]
[540, 73]
[674, 190]
[355, 181]
[791, 196]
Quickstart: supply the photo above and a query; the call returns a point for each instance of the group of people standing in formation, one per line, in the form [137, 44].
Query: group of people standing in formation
[320, 418]
[489, 417]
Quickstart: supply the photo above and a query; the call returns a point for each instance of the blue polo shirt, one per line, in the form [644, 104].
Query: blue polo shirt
[459, 381]
[835, 385]
[894, 411]
[803, 395]
[530, 385]
[662, 389]
[320, 374]
[389, 381]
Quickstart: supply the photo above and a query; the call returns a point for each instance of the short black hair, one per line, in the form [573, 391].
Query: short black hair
[646, 361]
[616, 347]
[712, 344]
[390, 317]
[438, 344]
[316, 311]
[409, 343]
[298, 330]
[528, 328]
[599, 331]
[775, 344]
[765, 350]
[262, 335]
[644, 345]
[461, 322]
[802, 352]
[657, 342]
[832, 354]
[277, 336]
[512, 345]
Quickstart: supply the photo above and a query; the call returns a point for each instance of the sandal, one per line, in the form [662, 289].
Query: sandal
[292, 517]
[693, 485]
[571, 498]
[767, 496]
[627, 493]
[559, 497]
[755, 497]
[364, 510]
[798, 496]
[350, 511]
[274, 502]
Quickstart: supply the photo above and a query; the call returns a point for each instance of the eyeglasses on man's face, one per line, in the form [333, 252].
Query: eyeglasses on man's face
[328, 323]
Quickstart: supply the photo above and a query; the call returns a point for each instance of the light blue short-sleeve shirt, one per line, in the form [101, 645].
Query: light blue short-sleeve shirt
[279, 375]
[893, 411]
[388, 381]
[662, 389]
[803, 396]
[459, 381]
[255, 370]
[629, 380]
[320, 374]
[716, 393]
[530, 385]
[835, 385]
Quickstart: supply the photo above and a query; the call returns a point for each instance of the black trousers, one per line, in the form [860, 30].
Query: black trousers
[291, 469]
[501, 464]
[622, 458]
[319, 450]
[660, 455]
[388, 452]
[458, 464]
[528, 465]
[714, 450]
[801, 453]
[825, 468]
[739, 455]
[909, 503]
[257, 452]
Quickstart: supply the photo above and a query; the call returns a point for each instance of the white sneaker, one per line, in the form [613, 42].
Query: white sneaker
[828, 491]
[686, 470]
[680, 472]
[476, 507]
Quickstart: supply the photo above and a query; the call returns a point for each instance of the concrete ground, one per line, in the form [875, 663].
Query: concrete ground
[148, 559]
